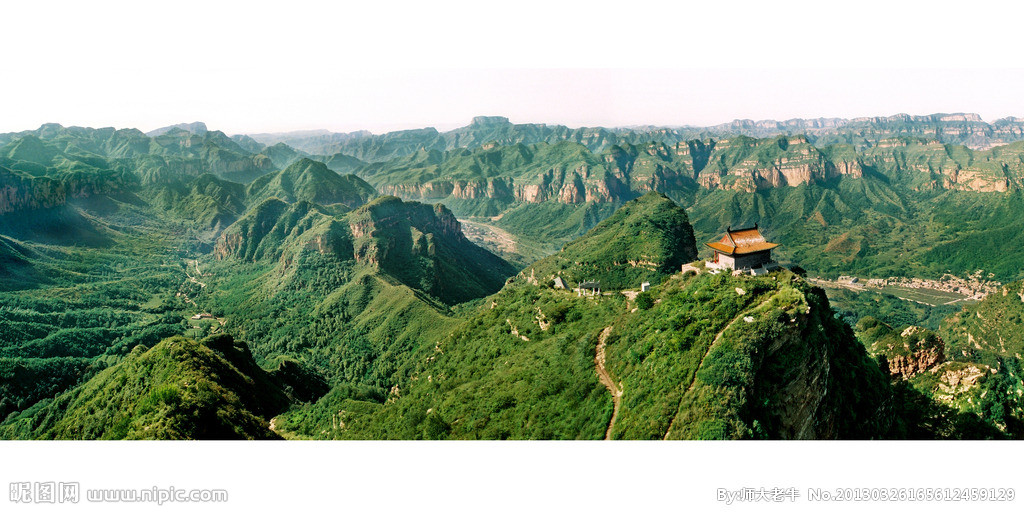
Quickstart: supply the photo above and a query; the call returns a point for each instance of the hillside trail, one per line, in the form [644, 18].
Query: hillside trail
[194, 279]
[693, 382]
[606, 379]
[198, 272]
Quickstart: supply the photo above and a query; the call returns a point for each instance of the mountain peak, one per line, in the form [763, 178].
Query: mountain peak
[422, 245]
[304, 165]
[31, 148]
[197, 128]
[644, 240]
[310, 180]
[489, 120]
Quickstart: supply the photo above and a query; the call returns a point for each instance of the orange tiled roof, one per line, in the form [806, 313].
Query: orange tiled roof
[742, 241]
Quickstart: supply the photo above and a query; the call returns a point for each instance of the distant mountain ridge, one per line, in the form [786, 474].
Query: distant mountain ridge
[53, 149]
[854, 194]
[568, 172]
[196, 128]
[952, 128]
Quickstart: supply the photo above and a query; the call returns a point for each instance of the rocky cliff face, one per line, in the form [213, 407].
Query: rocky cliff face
[902, 354]
[806, 374]
[798, 401]
[490, 188]
[957, 384]
[754, 164]
[570, 186]
[933, 165]
[920, 354]
[20, 193]
[783, 368]
[387, 231]
[961, 179]
[227, 245]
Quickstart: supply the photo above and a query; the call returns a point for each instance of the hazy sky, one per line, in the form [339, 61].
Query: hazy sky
[274, 66]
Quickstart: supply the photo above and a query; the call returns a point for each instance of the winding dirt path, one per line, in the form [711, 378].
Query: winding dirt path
[606, 379]
[198, 272]
[693, 382]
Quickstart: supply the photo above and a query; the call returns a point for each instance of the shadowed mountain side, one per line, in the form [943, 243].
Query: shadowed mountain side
[179, 389]
[420, 245]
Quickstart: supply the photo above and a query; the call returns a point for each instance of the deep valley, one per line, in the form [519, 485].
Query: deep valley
[187, 284]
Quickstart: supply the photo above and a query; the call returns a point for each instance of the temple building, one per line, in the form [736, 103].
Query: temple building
[743, 249]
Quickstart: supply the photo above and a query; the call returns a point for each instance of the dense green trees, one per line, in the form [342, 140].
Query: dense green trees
[645, 240]
[380, 320]
[179, 389]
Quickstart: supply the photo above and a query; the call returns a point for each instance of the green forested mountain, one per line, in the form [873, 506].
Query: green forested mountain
[308, 180]
[179, 389]
[207, 200]
[348, 294]
[698, 357]
[368, 312]
[74, 154]
[423, 246]
[523, 366]
[281, 154]
[420, 245]
[646, 240]
[262, 232]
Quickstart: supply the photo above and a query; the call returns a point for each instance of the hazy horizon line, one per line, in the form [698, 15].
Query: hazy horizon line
[450, 125]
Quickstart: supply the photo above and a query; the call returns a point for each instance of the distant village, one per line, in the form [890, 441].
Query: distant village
[745, 251]
[972, 287]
